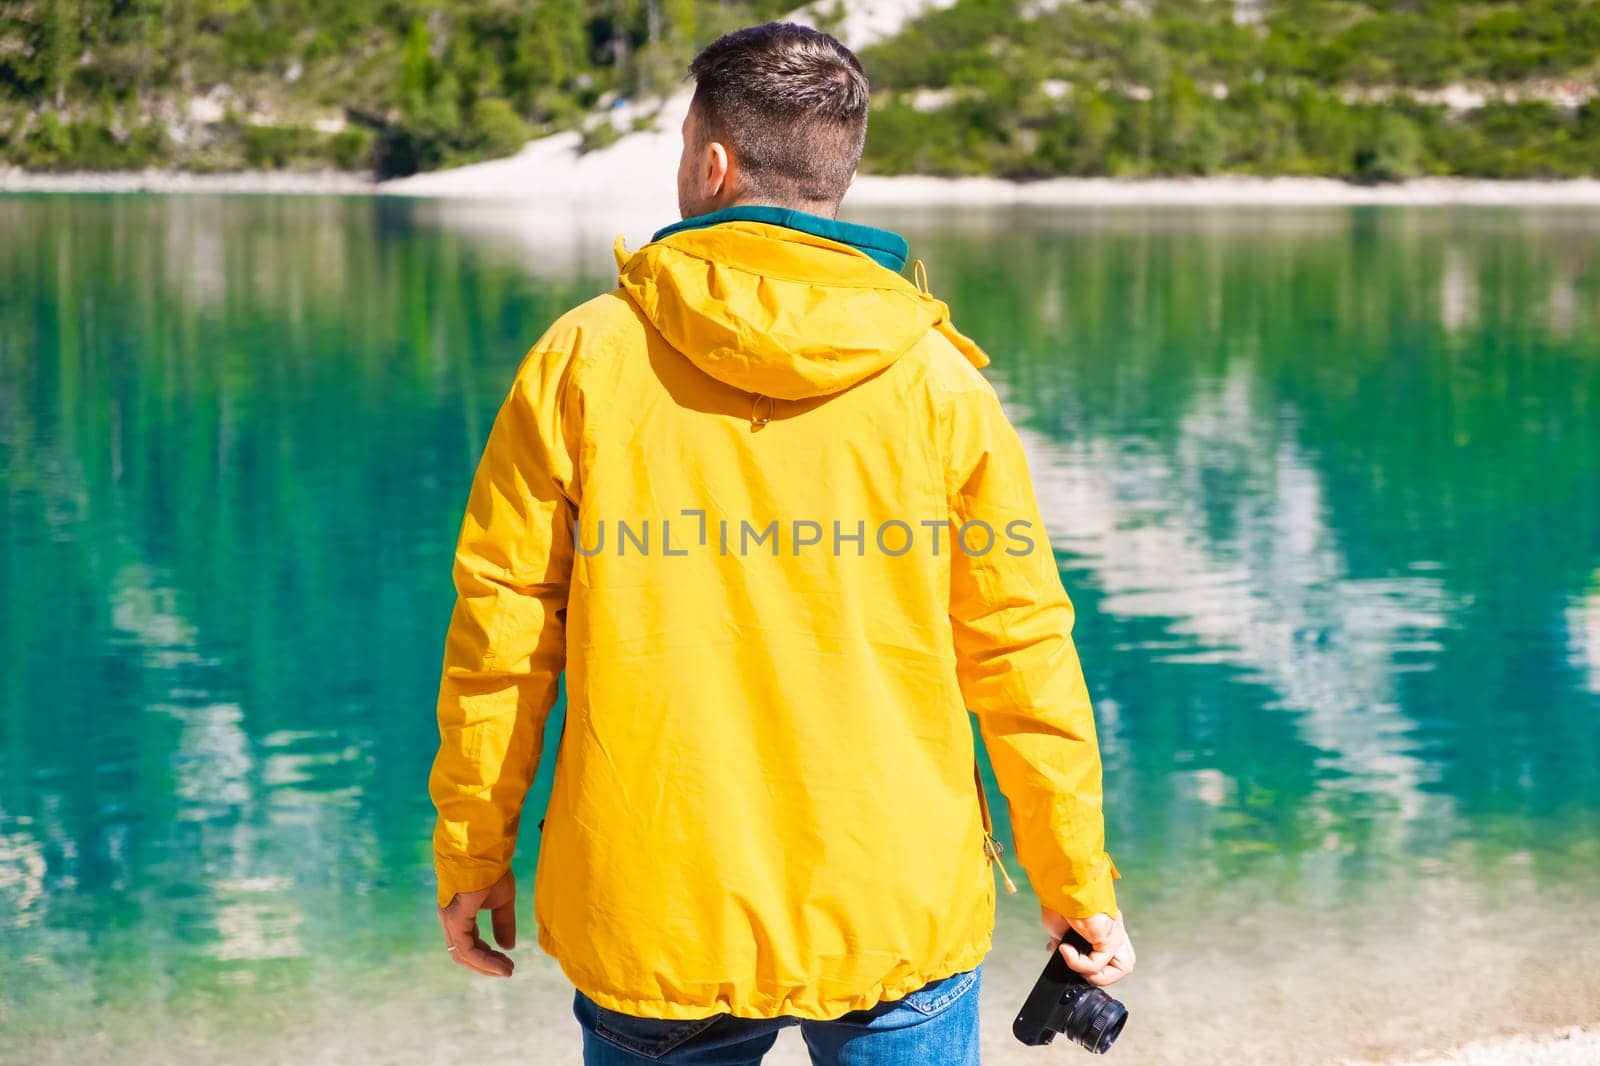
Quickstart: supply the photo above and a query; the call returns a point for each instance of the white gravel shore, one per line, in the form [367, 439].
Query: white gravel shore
[637, 172]
[1568, 1047]
[1230, 191]
[550, 174]
[282, 182]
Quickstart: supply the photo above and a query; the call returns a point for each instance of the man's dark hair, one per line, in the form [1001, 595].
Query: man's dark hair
[792, 103]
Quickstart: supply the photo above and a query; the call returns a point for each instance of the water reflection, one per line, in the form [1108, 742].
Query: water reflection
[22, 873]
[1325, 486]
[1296, 465]
[234, 441]
[1583, 629]
[256, 920]
[1274, 600]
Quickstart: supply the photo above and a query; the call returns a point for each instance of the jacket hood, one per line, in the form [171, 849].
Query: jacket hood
[779, 312]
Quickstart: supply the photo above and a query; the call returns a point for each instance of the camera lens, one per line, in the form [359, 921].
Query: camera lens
[1096, 1021]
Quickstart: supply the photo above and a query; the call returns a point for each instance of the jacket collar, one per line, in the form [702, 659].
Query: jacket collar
[885, 247]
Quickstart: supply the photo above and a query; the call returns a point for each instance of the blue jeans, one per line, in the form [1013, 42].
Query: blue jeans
[938, 1023]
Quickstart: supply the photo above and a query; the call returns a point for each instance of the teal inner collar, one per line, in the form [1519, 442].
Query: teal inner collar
[886, 247]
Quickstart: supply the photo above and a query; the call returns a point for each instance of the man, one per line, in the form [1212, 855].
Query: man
[762, 509]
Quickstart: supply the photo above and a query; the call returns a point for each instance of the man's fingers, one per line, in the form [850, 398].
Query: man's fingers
[460, 935]
[1110, 955]
[1108, 976]
[1115, 971]
[504, 921]
[1120, 966]
[467, 947]
[460, 918]
[482, 958]
[1091, 963]
[459, 925]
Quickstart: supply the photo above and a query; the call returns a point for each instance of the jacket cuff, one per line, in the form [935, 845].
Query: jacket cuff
[456, 876]
[1084, 899]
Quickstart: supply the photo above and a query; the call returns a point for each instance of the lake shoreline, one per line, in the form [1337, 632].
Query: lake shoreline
[900, 191]
[1233, 191]
[166, 182]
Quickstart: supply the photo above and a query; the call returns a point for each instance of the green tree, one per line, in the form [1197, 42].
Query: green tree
[549, 55]
[59, 48]
[418, 73]
[1192, 140]
[1076, 139]
[1390, 150]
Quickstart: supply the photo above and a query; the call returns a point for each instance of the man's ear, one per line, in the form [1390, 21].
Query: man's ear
[720, 171]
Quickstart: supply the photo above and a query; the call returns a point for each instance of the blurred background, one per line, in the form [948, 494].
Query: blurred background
[1324, 483]
[1375, 91]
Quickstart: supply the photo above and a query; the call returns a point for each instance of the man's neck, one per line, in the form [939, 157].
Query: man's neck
[820, 208]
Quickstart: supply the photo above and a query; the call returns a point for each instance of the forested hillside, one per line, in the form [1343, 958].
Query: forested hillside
[1380, 90]
[1377, 90]
[396, 85]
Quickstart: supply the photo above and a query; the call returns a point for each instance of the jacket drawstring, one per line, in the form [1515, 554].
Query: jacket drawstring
[992, 848]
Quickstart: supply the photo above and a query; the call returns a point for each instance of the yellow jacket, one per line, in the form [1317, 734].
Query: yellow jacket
[764, 800]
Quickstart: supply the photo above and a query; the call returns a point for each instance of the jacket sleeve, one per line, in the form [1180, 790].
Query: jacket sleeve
[1017, 665]
[506, 646]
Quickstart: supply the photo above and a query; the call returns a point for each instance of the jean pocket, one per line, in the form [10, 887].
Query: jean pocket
[935, 996]
[651, 1038]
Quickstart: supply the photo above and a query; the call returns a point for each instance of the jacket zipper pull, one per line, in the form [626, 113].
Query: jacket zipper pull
[757, 418]
[992, 848]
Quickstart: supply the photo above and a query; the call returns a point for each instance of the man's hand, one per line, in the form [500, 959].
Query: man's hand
[460, 921]
[1111, 956]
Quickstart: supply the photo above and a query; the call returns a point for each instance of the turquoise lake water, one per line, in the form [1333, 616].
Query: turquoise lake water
[1324, 485]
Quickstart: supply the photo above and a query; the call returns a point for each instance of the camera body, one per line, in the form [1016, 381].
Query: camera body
[1063, 1002]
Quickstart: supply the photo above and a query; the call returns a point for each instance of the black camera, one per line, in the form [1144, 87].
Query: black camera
[1063, 1002]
